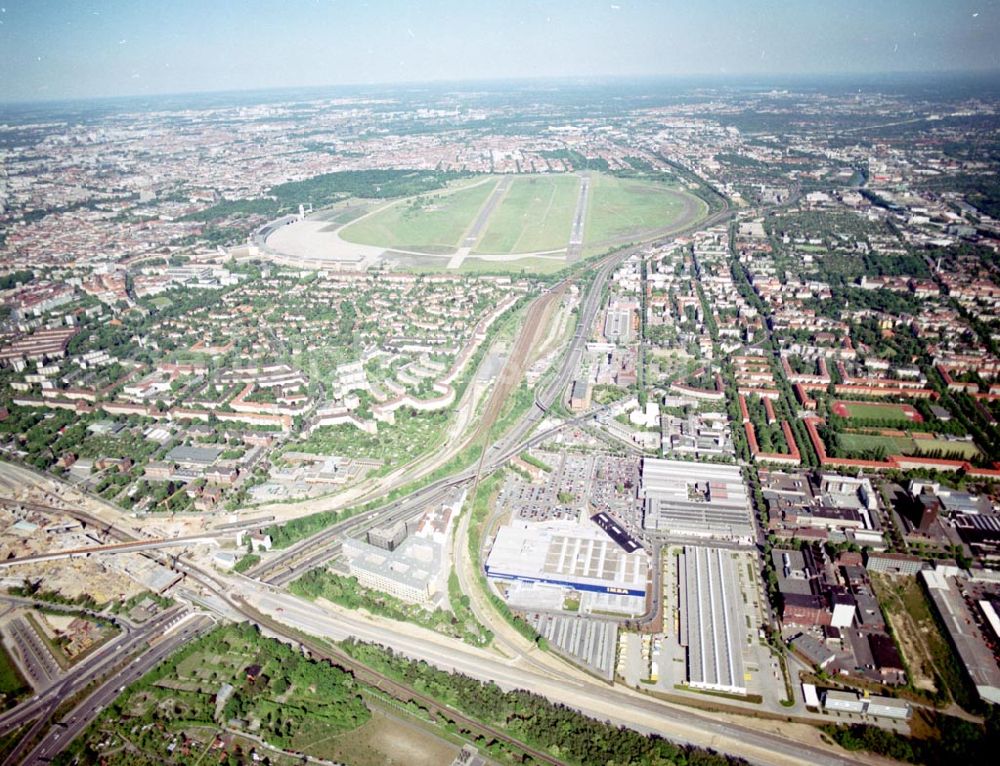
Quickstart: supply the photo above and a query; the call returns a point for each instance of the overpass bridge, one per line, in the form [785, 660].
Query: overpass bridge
[136, 546]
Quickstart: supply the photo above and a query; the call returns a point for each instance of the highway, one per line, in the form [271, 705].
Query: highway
[85, 671]
[76, 720]
[43, 705]
[619, 706]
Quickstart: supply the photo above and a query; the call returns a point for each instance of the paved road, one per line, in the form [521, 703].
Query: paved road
[42, 706]
[112, 548]
[74, 722]
[621, 707]
[476, 230]
[84, 671]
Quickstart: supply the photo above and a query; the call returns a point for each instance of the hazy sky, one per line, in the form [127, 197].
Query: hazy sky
[75, 48]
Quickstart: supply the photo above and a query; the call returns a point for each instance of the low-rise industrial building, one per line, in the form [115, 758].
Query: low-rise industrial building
[976, 655]
[843, 702]
[711, 619]
[695, 500]
[894, 563]
[873, 705]
[572, 555]
[887, 707]
[193, 457]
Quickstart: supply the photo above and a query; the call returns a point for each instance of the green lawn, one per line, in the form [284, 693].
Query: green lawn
[623, 208]
[904, 445]
[12, 683]
[431, 223]
[162, 302]
[894, 445]
[535, 215]
[341, 214]
[473, 265]
[529, 265]
[965, 449]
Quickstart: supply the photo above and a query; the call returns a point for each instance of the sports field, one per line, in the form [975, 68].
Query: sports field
[893, 413]
[535, 215]
[623, 208]
[905, 445]
[428, 223]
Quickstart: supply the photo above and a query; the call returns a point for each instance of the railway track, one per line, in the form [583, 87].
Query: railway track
[318, 549]
[394, 689]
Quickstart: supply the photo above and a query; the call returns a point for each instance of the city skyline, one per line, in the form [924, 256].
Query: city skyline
[467, 383]
[58, 50]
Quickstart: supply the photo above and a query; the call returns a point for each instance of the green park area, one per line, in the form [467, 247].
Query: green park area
[428, 223]
[535, 215]
[233, 678]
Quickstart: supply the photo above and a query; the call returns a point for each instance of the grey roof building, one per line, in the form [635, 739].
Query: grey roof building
[712, 622]
[194, 456]
[695, 499]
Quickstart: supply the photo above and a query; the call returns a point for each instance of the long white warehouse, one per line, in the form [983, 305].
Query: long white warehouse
[712, 622]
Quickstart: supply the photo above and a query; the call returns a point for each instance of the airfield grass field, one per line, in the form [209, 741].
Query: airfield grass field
[339, 215]
[429, 223]
[517, 230]
[535, 215]
[527, 265]
[624, 208]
